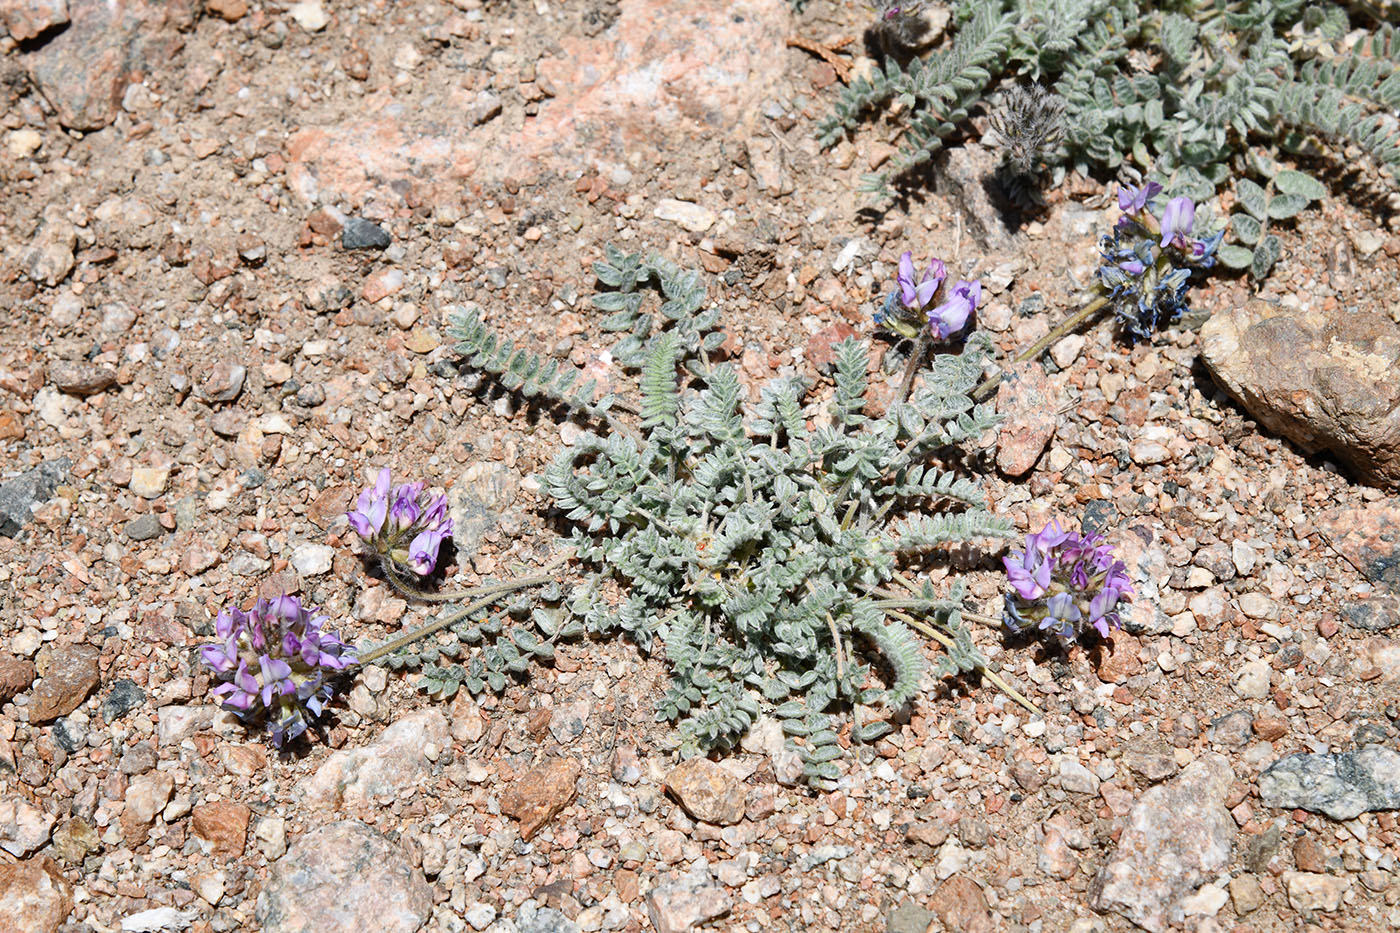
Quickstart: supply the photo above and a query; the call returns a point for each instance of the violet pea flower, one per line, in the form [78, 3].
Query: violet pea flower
[950, 317]
[1177, 220]
[1132, 199]
[917, 295]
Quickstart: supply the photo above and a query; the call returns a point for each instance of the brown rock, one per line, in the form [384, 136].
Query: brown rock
[1149, 759]
[344, 876]
[333, 502]
[74, 839]
[71, 676]
[1030, 405]
[538, 795]
[26, 19]
[223, 382]
[1309, 855]
[961, 905]
[707, 791]
[1324, 380]
[230, 10]
[16, 674]
[34, 896]
[81, 378]
[222, 825]
[1117, 658]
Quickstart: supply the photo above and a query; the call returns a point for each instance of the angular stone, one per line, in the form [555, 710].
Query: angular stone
[690, 216]
[72, 675]
[146, 796]
[124, 697]
[26, 19]
[1326, 381]
[222, 825]
[707, 791]
[1309, 891]
[1342, 786]
[1246, 894]
[1375, 614]
[1149, 759]
[359, 233]
[23, 826]
[84, 70]
[19, 495]
[355, 779]
[1369, 539]
[485, 493]
[343, 876]
[79, 377]
[966, 175]
[1031, 407]
[16, 674]
[682, 905]
[1177, 836]
[539, 794]
[34, 896]
[50, 258]
[223, 382]
[961, 905]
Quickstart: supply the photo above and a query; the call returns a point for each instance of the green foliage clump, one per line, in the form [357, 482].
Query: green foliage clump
[754, 544]
[1200, 93]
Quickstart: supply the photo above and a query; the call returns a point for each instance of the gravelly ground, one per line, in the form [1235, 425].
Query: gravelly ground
[187, 330]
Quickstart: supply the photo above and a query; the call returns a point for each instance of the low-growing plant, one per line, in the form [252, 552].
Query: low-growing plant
[1207, 94]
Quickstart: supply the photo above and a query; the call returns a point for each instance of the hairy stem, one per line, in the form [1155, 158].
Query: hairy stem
[1044, 343]
[986, 672]
[911, 369]
[409, 590]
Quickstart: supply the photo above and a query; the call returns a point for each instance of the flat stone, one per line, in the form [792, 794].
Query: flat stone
[19, 495]
[81, 377]
[1149, 759]
[146, 796]
[1342, 786]
[1251, 680]
[156, 920]
[74, 839]
[966, 175]
[1030, 404]
[690, 216]
[49, 258]
[568, 721]
[1309, 891]
[23, 826]
[908, 917]
[343, 876]
[707, 791]
[144, 528]
[72, 675]
[312, 560]
[1245, 894]
[538, 795]
[1325, 381]
[178, 723]
[34, 896]
[1177, 836]
[222, 827]
[357, 779]
[485, 492]
[1077, 779]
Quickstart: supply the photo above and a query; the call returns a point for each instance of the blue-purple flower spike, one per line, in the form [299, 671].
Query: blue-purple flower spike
[1065, 582]
[404, 527]
[275, 662]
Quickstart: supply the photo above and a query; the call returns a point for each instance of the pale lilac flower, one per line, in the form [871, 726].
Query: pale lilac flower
[1063, 579]
[1177, 220]
[1132, 199]
[404, 528]
[917, 295]
[275, 661]
[950, 317]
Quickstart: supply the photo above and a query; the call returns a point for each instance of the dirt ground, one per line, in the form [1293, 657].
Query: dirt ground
[212, 374]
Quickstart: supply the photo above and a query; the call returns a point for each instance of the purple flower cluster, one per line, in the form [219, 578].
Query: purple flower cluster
[274, 661]
[1064, 582]
[1148, 260]
[907, 306]
[405, 528]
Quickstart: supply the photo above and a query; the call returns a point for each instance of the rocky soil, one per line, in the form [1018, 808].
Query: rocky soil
[230, 237]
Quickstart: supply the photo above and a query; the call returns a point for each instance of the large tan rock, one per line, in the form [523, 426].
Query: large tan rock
[1324, 380]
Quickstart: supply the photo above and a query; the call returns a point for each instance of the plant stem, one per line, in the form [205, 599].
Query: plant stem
[496, 592]
[986, 672]
[408, 590]
[911, 369]
[1044, 343]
